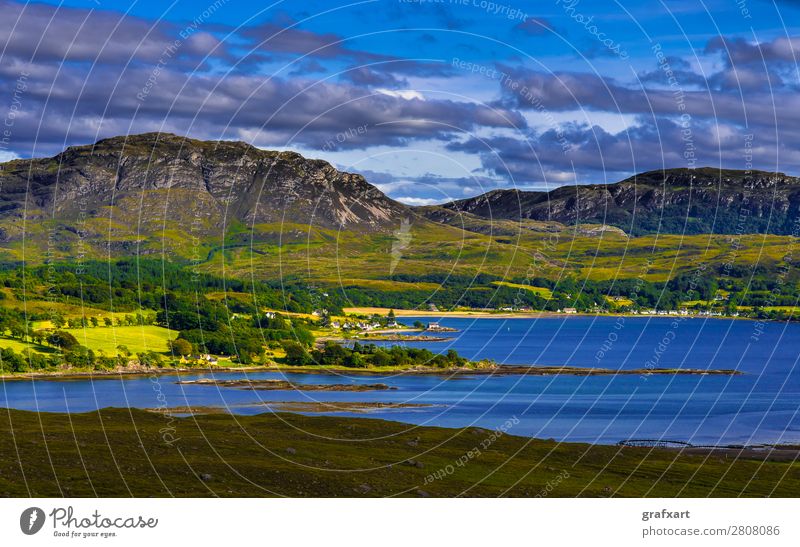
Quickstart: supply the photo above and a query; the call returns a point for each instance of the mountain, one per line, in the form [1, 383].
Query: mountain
[691, 201]
[168, 178]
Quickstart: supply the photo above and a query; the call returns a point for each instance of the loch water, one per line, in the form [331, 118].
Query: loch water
[762, 405]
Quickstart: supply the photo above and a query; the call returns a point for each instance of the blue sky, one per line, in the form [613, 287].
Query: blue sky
[431, 100]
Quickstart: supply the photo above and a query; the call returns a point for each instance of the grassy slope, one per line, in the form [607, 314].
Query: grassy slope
[35, 304]
[503, 248]
[325, 255]
[544, 292]
[137, 339]
[100, 454]
[19, 347]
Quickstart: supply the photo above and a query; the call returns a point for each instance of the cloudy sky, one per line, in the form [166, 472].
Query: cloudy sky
[431, 100]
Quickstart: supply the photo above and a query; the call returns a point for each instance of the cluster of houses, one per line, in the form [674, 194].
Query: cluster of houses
[511, 308]
[680, 312]
[362, 325]
[203, 358]
[684, 311]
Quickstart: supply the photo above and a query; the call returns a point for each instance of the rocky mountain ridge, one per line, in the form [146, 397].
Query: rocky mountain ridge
[691, 201]
[192, 181]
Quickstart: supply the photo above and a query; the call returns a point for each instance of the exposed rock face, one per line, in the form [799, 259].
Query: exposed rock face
[166, 177]
[672, 201]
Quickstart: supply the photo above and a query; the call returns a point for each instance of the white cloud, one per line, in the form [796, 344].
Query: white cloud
[407, 94]
[409, 200]
[5, 155]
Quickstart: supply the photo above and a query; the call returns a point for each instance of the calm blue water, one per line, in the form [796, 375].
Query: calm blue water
[763, 405]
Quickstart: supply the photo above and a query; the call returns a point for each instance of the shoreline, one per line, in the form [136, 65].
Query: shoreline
[319, 342]
[498, 370]
[478, 314]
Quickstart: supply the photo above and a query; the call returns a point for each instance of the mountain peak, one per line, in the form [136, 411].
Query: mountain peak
[139, 184]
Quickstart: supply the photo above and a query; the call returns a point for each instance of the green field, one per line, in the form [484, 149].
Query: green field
[380, 284]
[19, 346]
[544, 292]
[788, 309]
[75, 312]
[619, 301]
[121, 452]
[35, 304]
[136, 339]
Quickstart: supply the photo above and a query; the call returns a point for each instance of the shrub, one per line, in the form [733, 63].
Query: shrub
[296, 354]
[62, 339]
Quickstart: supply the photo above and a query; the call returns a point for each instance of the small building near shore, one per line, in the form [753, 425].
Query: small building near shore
[570, 310]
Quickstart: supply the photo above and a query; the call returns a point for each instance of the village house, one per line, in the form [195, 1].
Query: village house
[208, 358]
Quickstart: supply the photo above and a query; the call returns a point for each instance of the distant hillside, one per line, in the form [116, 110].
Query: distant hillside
[509, 227]
[673, 201]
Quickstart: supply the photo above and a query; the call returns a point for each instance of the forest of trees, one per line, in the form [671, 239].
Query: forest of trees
[127, 285]
[153, 284]
[364, 355]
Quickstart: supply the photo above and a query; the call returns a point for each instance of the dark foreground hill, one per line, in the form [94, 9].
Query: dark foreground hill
[674, 201]
[121, 452]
